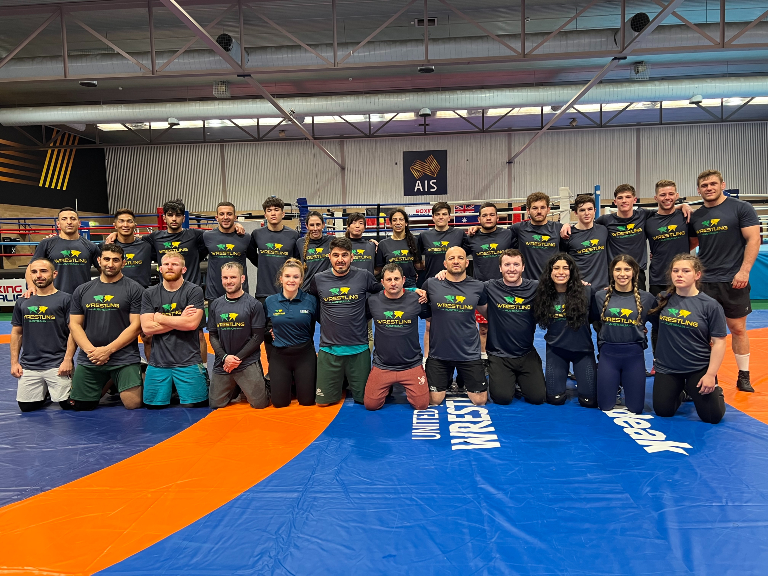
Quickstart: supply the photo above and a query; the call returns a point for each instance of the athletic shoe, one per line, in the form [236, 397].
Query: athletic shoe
[743, 383]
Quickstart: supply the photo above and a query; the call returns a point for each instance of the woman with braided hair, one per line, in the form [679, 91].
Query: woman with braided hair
[691, 344]
[400, 249]
[314, 248]
[621, 339]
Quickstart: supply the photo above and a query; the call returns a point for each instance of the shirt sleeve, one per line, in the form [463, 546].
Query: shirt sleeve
[40, 249]
[426, 311]
[483, 298]
[68, 308]
[257, 317]
[691, 229]
[602, 220]
[76, 307]
[16, 319]
[212, 315]
[95, 254]
[196, 298]
[747, 215]
[202, 249]
[296, 253]
[591, 292]
[368, 309]
[146, 303]
[252, 253]
[717, 324]
[312, 288]
[379, 256]
[137, 294]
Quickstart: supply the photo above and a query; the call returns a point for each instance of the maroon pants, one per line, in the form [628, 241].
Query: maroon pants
[414, 381]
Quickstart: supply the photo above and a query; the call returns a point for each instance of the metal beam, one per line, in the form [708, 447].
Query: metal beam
[152, 55]
[134, 132]
[426, 42]
[585, 116]
[28, 39]
[732, 114]
[690, 24]
[712, 114]
[375, 32]
[652, 25]
[200, 32]
[112, 45]
[562, 26]
[484, 29]
[292, 37]
[335, 41]
[746, 29]
[617, 114]
[64, 49]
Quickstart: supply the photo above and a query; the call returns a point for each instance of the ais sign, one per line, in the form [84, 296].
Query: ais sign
[425, 173]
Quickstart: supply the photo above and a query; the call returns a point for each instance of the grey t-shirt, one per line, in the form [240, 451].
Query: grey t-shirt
[433, 244]
[234, 322]
[686, 326]
[176, 348]
[223, 248]
[511, 324]
[587, 247]
[453, 332]
[44, 321]
[189, 243]
[391, 251]
[667, 237]
[317, 257]
[618, 326]
[271, 250]
[107, 309]
[71, 258]
[342, 306]
[138, 261]
[537, 244]
[486, 250]
[363, 254]
[396, 343]
[721, 245]
[627, 235]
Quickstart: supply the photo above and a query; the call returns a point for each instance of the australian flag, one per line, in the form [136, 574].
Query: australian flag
[466, 214]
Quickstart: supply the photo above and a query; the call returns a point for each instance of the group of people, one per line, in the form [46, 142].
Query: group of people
[566, 279]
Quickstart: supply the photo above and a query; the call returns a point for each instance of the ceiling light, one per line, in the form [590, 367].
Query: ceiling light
[88, 83]
[696, 99]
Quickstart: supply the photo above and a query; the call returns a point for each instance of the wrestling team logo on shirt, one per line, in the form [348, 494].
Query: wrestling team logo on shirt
[400, 256]
[339, 295]
[540, 241]
[513, 304]
[37, 314]
[678, 317]
[626, 230]
[393, 318]
[173, 247]
[69, 257]
[620, 317]
[710, 227]
[558, 312]
[315, 254]
[225, 250]
[228, 321]
[273, 249]
[488, 251]
[130, 262]
[170, 309]
[102, 302]
[590, 246]
[278, 312]
[439, 247]
[455, 304]
[359, 254]
[668, 232]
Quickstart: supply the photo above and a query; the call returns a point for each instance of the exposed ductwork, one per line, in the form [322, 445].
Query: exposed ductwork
[748, 87]
[575, 42]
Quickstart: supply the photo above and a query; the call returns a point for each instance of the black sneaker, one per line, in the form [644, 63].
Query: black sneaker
[743, 383]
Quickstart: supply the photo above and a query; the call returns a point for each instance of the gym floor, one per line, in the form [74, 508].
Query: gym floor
[516, 489]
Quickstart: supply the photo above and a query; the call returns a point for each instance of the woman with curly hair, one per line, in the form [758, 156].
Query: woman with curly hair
[562, 307]
[400, 249]
[621, 336]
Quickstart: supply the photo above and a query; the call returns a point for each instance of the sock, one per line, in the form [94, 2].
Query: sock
[742, 362]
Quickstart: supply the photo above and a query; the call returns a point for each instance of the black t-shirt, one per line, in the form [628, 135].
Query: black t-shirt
[560, 335]
[721, 245]
[363, 254]
[107, 308]
[189, 243]
[234, 322]
[619, 325]
[71, 258]
[686, 325]
[587, 247]
[397, 252]
[486, 250]
[396, 343]
[270, 251]
[176, 348]
[667, 237]
[317, 257]
[627, 235]
[433, 244]
[138, 261]
[44, 321]
[342, 306]
[537, 244]
[223, 248]
[511, 324]
[453, 332]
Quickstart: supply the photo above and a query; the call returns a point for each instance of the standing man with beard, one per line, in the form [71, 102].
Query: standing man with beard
[236, 327]
[224, 244]
[105, 323]
[42, 347]
[727, 232]
[72, 254]
[538, 239]
[171, 313]
[587, 243]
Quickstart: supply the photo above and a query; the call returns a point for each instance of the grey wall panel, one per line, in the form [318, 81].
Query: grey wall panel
[142, 178]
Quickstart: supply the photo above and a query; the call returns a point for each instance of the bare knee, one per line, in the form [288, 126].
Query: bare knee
[478, 398]
[436, 398]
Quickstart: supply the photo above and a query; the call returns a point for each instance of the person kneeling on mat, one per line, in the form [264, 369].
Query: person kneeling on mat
[236, 328]
[397, 352]
[512, 358]
[563, 307]
[42, 347]
[105, 324]
[293, 314]
[171, 313]
[621, 337]
[691, 345]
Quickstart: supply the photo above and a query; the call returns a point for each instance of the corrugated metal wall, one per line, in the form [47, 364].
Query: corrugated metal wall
[144, 177]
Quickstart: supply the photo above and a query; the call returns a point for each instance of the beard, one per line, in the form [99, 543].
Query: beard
[171, 276]
[44, 283]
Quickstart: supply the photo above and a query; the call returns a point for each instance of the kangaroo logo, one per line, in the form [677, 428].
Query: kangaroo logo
[715, 221]
[672, 227]
[271, 246]
[99, 298]
[541, 238]
[360, 252]
[705, 223]
[679, 313]
[663, 229]
[169, 307]
[225, 246]
[626, 227]
[171, 244]
[398, 314]
[450, 298]
[334, 291]
[345, 290]
[129, 256]
[33, 309]
[43, 309]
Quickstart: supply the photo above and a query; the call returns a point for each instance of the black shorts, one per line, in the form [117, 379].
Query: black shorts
[735, 302]
[440, 374]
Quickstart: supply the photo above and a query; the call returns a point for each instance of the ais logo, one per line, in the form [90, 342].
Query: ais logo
[425, 172]
[229, 316]
[106, 298]
[705, 223]
[594, 242]
[421, 167]
[337, 291]
[624, 312]
[456, 299]
[627, 227]
[171, 244]
[540, 238]
[393, 313]
[670, 228]
[679, 313]
[68, 253]
[514, 300]
[37, 309]
[225, 246]
[169, 307]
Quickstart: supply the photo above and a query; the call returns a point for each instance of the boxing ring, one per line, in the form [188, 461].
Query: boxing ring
[516, 489]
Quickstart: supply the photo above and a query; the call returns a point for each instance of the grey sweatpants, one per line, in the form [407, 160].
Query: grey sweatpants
[251, 382]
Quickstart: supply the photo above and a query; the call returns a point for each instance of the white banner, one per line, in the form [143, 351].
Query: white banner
[11, 290]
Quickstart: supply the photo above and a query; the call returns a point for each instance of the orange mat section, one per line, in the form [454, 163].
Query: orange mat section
[6, 339]
[755, 404]
[99, 520]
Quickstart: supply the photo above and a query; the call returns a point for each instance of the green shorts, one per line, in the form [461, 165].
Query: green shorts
[89, 381]
[331, 370]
